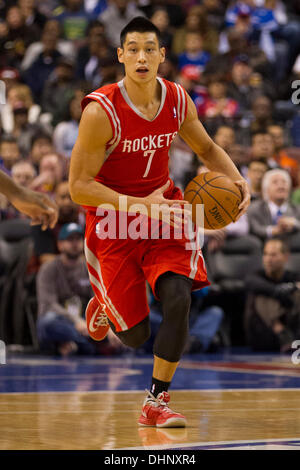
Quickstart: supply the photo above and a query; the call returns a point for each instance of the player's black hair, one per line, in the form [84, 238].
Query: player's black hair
[139, 24]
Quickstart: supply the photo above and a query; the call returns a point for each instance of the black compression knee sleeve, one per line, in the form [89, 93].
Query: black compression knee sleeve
[174, 292]
[135, 336]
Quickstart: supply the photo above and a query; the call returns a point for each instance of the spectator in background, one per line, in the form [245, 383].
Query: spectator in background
[19, 36]
[288, 30]
[239, 154]
[244, 85]
[39, 71]
[274, 215]
[257, 23]
[190, 77]
[262, 114]
[10, 77]
[168, 68]
[262, 148]
[255, 174]
[58, 90]
[31, 15]
[193, 54]
[265, 29]
[272, 316]
[41, 144]
[45, 242]
[63, 291]
[280, 154]
[74, 20]
[89, 55]
[160, 19]
[225, 137]
[66, 48]
[238, 44]
[23, 130]
[116, 16]
[295, 197]
[95, 7]
[214, 11]
[196, 21]
[51, 172]
[217, 108]
[16, 94]
[22, 173]
[65, 133]
[9, 153]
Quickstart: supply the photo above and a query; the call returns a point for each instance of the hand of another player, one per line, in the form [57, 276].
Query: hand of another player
[246, 197]
[171, 211]
[38, 207]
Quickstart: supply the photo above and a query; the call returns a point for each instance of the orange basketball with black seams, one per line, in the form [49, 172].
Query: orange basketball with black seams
[220, 196]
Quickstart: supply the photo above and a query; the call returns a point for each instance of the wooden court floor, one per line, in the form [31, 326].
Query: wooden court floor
[108, 420]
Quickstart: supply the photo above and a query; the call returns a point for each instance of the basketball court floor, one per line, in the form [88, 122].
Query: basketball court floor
[231, 401]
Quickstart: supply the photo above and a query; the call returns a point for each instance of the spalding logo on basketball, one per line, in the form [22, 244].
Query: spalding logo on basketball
[220, 196]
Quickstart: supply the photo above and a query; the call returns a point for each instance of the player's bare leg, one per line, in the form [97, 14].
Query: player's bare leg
[164, 370]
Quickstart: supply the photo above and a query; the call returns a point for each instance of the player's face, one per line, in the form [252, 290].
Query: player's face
[141, 56]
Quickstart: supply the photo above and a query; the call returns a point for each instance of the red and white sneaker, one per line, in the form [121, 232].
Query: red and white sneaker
[96, 320]
[156, 412]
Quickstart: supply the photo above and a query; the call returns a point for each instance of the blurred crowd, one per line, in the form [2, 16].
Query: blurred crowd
[240, 63]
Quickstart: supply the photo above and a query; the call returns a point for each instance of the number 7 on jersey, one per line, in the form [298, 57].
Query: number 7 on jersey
[150, 154]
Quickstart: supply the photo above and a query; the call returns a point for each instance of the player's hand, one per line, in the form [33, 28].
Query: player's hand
[171, 211]
[246, 197]
[37, 206]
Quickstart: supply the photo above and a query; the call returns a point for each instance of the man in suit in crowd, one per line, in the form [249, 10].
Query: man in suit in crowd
[274, 215]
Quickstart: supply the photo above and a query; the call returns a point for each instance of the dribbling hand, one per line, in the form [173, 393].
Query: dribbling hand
[246, 197]
[171, 211]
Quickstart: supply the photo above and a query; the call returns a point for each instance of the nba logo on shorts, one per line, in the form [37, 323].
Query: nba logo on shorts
[2, 352]
[174, 112]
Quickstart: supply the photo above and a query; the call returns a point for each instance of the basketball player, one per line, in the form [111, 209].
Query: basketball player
[36, 205]
[122, 148]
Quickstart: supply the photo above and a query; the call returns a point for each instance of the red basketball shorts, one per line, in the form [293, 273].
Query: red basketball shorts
[119, 268]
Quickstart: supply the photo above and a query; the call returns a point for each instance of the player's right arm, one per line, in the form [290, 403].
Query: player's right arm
[87, 158]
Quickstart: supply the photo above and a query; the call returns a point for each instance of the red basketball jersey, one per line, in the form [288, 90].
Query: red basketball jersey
[137, 156]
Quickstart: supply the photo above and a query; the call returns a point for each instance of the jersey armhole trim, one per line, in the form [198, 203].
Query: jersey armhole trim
[110, 110]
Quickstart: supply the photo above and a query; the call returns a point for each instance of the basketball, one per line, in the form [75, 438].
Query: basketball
[220, 196]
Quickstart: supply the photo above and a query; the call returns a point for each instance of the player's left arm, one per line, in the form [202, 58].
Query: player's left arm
[211, 154]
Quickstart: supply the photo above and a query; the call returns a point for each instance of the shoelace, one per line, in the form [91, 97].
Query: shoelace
[159, 402]
[101, 320]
